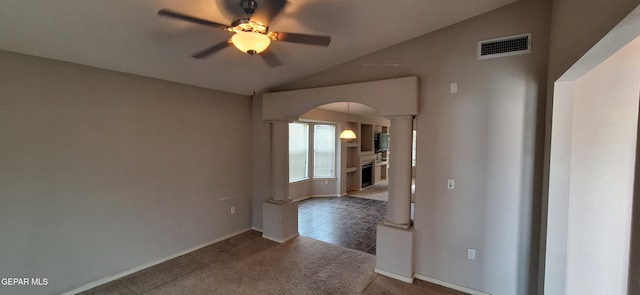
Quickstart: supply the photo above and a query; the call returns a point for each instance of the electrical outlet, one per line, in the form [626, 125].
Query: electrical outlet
[471, 254]
[233, 210]
[451, 184]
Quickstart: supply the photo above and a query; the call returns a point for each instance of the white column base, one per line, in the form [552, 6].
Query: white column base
[279, 221]
[394, 252]
[394, 276]
[391, 224]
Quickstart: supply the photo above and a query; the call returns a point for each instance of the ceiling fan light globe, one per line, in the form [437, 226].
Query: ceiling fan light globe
[251, 42]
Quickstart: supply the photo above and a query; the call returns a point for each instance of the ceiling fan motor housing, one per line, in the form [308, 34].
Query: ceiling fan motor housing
[251, 33]
[249, 6]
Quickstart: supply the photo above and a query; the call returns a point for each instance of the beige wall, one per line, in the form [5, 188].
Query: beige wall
[592, 177]
[484, 136]
[634, 255]
[605, 115]
[576, 27]
[103, 171]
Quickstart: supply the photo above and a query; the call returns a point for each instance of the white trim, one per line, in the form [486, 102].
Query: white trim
[301, 198]
[256, 229]
[280, 240]
[316, 196]
[297, 180]
[394, 276]
[140, 267]
[325, 196]
[449, 285]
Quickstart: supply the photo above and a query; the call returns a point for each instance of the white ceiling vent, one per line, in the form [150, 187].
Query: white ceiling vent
[505, 46]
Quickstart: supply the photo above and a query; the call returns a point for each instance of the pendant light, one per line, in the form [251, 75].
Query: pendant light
[348, 133]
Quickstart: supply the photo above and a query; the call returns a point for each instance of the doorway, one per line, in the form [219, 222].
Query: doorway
[591, 181]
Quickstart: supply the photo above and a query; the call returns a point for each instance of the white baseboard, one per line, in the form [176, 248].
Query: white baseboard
[449, 285]
[280, 240]
[325, 196]
[301, 198]
[147, 265]
[394, 276]
[315, 196]
[256, 229]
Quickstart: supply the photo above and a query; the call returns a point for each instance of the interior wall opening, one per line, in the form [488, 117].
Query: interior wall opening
[343, 209]
[593, 153]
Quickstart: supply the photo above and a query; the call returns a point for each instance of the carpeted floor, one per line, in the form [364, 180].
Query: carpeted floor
[249, 264]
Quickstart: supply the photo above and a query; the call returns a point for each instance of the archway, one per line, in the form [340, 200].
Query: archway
[340, 184]
[397, 100]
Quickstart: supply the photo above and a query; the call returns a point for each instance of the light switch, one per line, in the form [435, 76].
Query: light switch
[471, 254]
[451, 184]
[453, 87]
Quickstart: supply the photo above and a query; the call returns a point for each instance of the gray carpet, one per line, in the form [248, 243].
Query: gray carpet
[302, 266]
[249, 264]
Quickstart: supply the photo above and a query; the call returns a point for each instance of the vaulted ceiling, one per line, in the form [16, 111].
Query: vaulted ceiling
[128, 36]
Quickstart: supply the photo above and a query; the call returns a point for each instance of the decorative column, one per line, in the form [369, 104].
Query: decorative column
[279, 213]
[279, 162]
[394, 242]
[399, 204]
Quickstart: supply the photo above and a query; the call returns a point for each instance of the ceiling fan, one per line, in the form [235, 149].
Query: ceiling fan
[251, 33]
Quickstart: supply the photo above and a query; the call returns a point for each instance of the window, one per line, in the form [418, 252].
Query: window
[324, 151]
[413, 150]
[298, 151]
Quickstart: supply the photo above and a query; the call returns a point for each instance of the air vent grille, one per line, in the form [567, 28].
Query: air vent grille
[505, 46]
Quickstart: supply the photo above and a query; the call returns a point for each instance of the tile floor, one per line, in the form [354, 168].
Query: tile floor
[346, 221]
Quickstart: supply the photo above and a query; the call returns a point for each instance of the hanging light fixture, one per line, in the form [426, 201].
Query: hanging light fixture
[250, 37]
[251, 42]
[347, 133]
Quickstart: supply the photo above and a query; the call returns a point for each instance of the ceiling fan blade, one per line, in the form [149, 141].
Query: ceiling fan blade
[267, 10]
[270, 58]
[180, 16]
[211, 50]
[301, 38]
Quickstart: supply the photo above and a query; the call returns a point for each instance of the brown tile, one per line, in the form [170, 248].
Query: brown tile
[348, 222]
[162, 273]
[314, 233]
